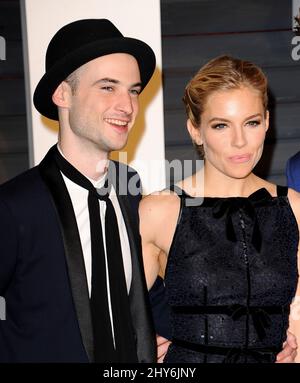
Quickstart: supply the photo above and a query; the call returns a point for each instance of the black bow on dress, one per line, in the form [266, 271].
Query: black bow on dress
[260, 317]
[229, 206]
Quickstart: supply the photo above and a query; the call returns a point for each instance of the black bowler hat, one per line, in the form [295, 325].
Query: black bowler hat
[76, 44]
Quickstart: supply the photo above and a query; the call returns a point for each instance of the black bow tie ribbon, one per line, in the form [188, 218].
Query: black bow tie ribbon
[227, 207]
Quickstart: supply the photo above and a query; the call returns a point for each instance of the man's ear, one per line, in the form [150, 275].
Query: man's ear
[195, 132]
[62, 95]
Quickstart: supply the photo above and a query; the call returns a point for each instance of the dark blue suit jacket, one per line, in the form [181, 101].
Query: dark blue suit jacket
[293, 172]
[42, 273]
[160, 309]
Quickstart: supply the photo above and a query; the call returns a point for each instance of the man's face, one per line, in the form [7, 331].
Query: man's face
[104, 105]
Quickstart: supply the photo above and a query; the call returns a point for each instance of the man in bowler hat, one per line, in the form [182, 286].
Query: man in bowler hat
[71, 269]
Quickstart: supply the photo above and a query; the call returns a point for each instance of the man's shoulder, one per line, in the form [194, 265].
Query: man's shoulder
[127, 179]
[121, 167]
[22, 184]
[294, 160]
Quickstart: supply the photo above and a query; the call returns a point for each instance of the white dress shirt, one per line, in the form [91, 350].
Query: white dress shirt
[79, 198]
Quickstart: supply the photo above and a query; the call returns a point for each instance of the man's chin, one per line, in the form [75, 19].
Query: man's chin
[116, 147]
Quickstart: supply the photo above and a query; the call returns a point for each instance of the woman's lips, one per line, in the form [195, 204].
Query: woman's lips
[241, 158]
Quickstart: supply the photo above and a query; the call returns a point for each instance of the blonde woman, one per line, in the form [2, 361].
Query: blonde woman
[230, 257]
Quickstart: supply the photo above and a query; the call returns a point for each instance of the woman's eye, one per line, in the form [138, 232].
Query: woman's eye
[219, 126]
[253, 123]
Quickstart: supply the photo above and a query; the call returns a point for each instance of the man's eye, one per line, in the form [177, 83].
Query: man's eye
[135, 92]
[108, 88]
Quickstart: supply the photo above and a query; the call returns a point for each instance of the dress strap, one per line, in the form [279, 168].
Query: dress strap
[186, 199]
[282, 191]
[180, 192]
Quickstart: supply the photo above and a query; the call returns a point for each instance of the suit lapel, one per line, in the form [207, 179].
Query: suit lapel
[73, 250]
[138, 294]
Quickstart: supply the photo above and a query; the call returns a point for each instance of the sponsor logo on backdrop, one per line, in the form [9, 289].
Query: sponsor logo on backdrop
[2, 48]
[2, 308]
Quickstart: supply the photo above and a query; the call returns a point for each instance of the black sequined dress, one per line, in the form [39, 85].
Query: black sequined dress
[230, 278]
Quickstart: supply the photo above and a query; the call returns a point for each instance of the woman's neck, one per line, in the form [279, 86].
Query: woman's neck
[222, 185]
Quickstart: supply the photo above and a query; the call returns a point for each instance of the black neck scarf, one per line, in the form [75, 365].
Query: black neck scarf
[124, 349]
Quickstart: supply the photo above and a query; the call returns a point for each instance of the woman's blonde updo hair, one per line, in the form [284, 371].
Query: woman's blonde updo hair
[220, 74]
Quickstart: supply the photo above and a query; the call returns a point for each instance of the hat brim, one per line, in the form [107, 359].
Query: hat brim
[144, 55]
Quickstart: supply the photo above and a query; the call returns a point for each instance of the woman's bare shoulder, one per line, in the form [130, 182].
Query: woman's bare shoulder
[294, 197]
[159, 202]
[158, 216]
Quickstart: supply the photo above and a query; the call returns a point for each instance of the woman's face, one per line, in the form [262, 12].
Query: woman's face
[232, 131]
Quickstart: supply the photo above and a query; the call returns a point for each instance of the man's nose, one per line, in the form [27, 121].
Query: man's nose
[124, 103]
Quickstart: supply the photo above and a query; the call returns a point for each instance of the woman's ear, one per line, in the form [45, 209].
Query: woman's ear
[195, 132]
[62, 95]
[267, 119]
